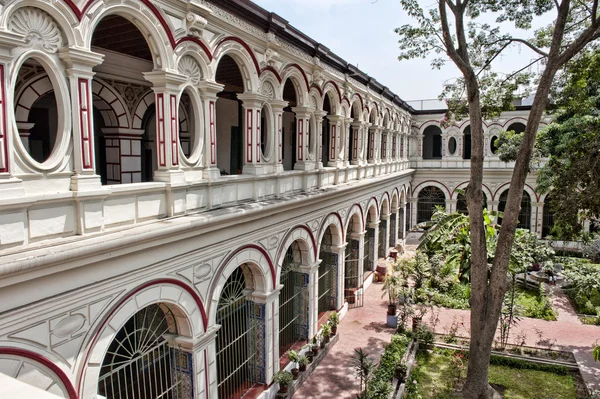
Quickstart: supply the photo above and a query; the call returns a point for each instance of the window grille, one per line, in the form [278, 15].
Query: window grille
[524, 215]
[140, 363]
[236, 340]
[382, 244]
[428, 199]
[326, 273]
[291, 309]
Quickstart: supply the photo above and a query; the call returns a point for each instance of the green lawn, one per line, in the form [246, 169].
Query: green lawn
[531, 304]
[436, 376]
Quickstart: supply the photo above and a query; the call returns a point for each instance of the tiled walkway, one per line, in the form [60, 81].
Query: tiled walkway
[365, 328]
[361, 328]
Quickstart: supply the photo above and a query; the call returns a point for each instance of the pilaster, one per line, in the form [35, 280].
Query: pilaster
[335, 129]
[209, 91]
[269, 303]
[80, 64]
[340, 252]
[277, 149]
[253, 157]
[303, 139]
[166, 86]
[313, 294]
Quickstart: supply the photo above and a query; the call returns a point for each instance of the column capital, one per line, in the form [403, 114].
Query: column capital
[310, 268]
[339, 247]
[373, 225]
[278, 105]
[253, 100]
[207, 337]
[210, 89]
[165, 80]
[335, 118]
[266, 297]
[303, 112]
[320, 114]
[80, 61]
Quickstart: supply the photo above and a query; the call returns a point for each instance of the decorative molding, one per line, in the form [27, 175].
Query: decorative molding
[38, 28]
[267, 90]
[195, 24]
[190, 68]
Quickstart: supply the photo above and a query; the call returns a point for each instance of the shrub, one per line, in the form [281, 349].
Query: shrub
[522, 364]
[391, 358]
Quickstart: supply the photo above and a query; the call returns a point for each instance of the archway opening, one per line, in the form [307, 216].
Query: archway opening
[547, 217]
[293, 302]
[353, 278]
[524, 214]
[288, 131]
[328, 268]
[383, 238]
[429, 198]
[432, 142]
[242, 326]
[129, 146]
[371, 138]
[142, 362]
[467, 143]
[230, 123]
[326, 136]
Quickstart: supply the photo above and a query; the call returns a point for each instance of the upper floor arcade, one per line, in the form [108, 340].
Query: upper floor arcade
[116, 113]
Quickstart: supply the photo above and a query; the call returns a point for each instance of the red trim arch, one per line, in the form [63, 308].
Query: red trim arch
[502, 188]
[447, 193]
[310, 234]
[245, 45]
[322, 227]
[289, 66]
[389, 202]
[351, 213]
[45, 362]
[362, 103]
[337, 89]
[199, 43]
[259, 249]
[273, 70]
[318, 89]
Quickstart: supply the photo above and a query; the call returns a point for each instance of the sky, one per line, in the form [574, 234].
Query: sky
[362, 33]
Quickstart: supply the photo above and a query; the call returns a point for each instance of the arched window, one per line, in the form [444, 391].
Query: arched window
[293, 319]
[140, 362]
[467, 143]
[429, 197]
[524, 215]
[237, 346]
[548, 217]
[327, 270]
[432, 142]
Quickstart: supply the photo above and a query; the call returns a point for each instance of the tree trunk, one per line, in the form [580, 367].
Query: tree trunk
[487, 296]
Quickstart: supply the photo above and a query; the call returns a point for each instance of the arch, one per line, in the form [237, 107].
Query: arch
[304, 235]
[513, 121]
[385, 203]
[395, 201]
[335, 99]
[372, 210]
[270, 70]
[271, 78]
[355, 97]
[525, 212]
[259, 262]
[144, 102]
[244, 57]
[328, 86]
[486, 190]
[333, 219]
[155, 37]
[356, 107]
[111, 105]
[434, 183]
[295, 70]
[195, 51]
[37, 358]
[182, 299]
[355, 209]
[527, 188]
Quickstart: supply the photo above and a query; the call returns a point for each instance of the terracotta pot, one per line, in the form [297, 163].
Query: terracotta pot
[315, 349]
[303, 367]
[323, 344]
[295, 373]
[334, 330]
[310, 356]
[283, 388]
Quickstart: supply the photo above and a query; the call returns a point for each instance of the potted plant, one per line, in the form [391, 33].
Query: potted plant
[309, 353]
[284, 379]
[391, 287]
[315, 345]
[294, 358]
[303, 362]
[326, 333]
[334, 320]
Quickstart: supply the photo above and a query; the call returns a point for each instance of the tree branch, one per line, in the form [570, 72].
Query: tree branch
[523, 41]
[521, 70]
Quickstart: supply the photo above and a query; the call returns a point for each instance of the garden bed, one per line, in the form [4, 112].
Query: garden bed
[441, 372]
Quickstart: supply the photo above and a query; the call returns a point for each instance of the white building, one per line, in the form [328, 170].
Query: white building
[187, 186]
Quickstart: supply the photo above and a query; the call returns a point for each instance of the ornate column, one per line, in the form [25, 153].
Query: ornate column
[347, 156]
[277, 149]
[253, 158]
[10, 186]
[319, 115]
[303, 149]
[79, 70]
[312, 274]
[266, 315]
[166, 88]
[208, 92]
[339, 253]
[360, 237]
[335, 130]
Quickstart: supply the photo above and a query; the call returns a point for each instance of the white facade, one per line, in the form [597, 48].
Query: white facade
[142, 174]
